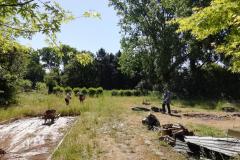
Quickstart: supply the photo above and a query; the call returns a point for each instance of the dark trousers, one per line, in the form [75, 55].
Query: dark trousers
[164, 109]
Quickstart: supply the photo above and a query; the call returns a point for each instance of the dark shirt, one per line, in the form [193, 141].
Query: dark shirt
[166, 97]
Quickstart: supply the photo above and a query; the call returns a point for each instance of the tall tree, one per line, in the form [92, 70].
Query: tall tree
[50, 58]
[12, 67]
[78, 75]
[220, 17]
[148, 37]
[34, 71]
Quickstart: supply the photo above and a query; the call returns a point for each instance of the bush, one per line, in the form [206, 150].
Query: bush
[115, 93]
[121, 92]
[127, 93]
[58, 90]
[25, 85]
[99, 90]
[84, 91]
[76, 90]
[137, 93]
[41, 87]
[92, 92]
[68, 90]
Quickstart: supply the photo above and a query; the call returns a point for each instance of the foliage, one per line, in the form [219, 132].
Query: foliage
[99, 91]
[41, 87]
[84, 90]
[68, 53]
[126, 93]
[149, 44]
[12, 67]
[49, 57]
[92, 92]
[114, 93]
[28, 17]
[58, 90]
[34, 70]
[136, 93]
[221, 17]
[52, 79]
[25, 85]
[84, 58]
[68, 90]
[104, 72]
[76, 90]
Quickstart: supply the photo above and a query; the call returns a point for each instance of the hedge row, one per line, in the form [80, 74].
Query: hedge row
[127, 93]
[90, 91]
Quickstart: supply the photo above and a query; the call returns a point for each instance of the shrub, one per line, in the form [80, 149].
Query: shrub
[25, 85]
[92, 92]
[84, 90]
[58, 90]
[115, 93]
[127, 93]
[136, 93]
[121, 92]
[76, 90]
[68, 90]
[99, 91]
[41, 87]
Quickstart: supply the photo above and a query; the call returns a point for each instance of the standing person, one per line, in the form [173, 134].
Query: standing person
[81, 97]
[166, 101]
[67, 98]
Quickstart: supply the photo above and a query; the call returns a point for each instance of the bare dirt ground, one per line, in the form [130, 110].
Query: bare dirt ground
[128, 139]
[120, 139]
[218, 120]
[29, 139]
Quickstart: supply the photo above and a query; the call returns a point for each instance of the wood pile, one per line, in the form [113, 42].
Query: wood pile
[171, 132]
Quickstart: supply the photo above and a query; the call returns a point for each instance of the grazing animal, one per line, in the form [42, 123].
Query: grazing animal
[81, 98]
[151, 121]
[49, 115]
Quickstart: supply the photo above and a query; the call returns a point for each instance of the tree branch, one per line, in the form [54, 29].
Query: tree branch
[22, 30]
[16, 4]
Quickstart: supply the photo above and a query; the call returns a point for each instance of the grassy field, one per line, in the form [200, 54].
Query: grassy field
[101, 116]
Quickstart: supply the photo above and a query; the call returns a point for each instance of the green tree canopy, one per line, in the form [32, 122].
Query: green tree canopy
[24, 18]
[220, 17]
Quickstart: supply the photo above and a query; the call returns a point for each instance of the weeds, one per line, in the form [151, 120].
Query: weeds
[204, 130]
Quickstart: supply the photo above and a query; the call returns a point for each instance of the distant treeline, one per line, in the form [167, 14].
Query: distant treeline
[103, 71]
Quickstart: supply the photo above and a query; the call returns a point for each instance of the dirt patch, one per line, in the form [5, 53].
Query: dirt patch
[128, 139]
[29, 139]
[206, 116]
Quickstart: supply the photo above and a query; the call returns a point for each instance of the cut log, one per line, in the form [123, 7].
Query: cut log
[140, 109]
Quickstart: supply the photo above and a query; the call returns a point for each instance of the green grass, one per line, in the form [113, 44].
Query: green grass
[204, 130]
[95, 115]
[206, 104]
[82, 142]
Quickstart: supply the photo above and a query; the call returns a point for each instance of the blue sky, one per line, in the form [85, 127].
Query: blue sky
[86, 33]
